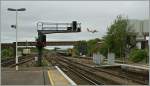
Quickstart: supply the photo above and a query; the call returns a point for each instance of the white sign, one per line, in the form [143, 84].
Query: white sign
[111, 58]
[98, 58]
[36, 58]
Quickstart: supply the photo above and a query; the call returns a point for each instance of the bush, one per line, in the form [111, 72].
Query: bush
[7, 53]
[45, 62]
[137, 55]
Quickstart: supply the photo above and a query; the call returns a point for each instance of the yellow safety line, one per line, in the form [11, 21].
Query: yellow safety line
[51, 78]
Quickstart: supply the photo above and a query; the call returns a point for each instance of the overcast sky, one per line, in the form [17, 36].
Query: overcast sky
[92, 14]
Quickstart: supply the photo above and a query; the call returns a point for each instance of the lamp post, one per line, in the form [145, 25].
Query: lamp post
[16, 27]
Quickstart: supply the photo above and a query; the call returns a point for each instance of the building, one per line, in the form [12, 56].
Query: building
[141, 28]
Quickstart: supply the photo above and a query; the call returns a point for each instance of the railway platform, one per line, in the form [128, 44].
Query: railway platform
[58, 78]
[125, 65]
[34, 76]
[128, 67]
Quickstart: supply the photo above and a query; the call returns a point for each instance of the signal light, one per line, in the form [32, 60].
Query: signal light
[79, 30]
[74, 26]
[43, 38]
[41, 41]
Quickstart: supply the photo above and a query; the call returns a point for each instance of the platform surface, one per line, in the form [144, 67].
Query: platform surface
[136, 66]
[25, 76]
[33, 76]
[56, 78]
[124, 65]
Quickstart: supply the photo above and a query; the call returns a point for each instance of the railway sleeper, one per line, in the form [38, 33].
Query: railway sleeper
[135, 79]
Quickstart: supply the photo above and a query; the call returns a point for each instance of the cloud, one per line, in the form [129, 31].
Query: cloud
[94, 15]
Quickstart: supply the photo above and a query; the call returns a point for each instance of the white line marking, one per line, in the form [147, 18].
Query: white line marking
[139, 67]
[71, 81]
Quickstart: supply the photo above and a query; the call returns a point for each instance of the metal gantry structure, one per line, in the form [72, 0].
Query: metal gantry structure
[44, 28]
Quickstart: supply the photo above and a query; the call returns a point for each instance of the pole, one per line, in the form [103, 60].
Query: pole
[21, 9]
[39, 52]
[16, 40]
[40, 56]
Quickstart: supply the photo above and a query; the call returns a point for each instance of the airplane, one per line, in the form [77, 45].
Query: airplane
[92, 31]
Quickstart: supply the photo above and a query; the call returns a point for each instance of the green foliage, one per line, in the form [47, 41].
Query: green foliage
[103, 49]
[137, 55]
[87, 47]
[117, 38]
[7, 52]
[34, 49]
[45, 62]
[93, 46]
[81, 47]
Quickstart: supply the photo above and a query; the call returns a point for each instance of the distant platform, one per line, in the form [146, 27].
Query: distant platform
[124, 65]
[135, 66]
[127, 67]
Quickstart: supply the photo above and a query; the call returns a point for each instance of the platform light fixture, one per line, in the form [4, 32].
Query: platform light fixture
[16, 27]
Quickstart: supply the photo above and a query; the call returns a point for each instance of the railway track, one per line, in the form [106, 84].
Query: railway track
[100, 76]
[6, 62]
[22, 62]
[79, 78]
[81, 74]
[141, 78]
[127, 75]
[87, 73]
[11, 61]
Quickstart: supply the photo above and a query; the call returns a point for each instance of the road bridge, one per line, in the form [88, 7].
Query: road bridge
[49, 43]
[31, 44]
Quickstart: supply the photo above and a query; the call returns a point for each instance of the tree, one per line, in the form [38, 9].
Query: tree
[7, 52]
[104, 49]
[117, 38]
[93, 46]
[81, 47]
[137, 55]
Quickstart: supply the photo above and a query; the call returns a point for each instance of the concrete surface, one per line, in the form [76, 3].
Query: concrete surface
[33, 76]
[57, 79]
[27, 76]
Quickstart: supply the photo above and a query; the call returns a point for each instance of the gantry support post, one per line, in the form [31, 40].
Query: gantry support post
[41, 42]
[40, 49]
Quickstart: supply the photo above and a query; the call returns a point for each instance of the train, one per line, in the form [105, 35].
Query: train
[66, 52]
[26, 52]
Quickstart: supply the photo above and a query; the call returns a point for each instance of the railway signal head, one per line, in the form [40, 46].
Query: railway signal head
[41, 40]
[79, 29]
[76, 26]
